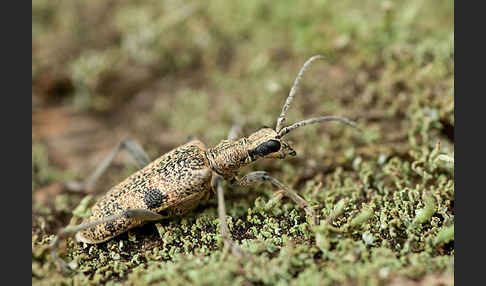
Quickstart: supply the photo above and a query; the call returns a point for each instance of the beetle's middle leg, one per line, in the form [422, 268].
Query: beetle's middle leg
[136, 151]
[262, 176]
[223, 226]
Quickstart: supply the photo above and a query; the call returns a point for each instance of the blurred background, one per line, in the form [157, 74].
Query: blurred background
[160, 71]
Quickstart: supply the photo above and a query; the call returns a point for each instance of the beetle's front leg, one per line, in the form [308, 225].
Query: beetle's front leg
[262, 176]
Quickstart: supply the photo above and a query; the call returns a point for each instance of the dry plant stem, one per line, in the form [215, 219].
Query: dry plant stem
[290, 98]
[262, 176]
[317, 189]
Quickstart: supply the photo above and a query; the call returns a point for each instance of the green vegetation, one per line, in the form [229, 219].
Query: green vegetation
[165, 70]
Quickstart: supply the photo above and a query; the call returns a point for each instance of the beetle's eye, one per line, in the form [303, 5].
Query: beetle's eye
[272, 145]
[265, 148]
[268, 147]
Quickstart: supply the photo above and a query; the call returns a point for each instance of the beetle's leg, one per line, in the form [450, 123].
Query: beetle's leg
[223, 226]
[261, 176]
[137, 153]
[235, 132]
[190, 138]
[141, 214]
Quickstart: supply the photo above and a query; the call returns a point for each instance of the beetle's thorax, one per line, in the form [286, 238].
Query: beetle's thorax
[229, 156]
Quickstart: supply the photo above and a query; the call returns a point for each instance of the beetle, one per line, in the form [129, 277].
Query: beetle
[177, 181]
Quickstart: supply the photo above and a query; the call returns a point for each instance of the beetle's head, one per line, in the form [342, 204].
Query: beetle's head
[266, 143]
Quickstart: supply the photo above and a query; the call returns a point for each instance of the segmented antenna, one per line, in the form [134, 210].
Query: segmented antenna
[283, 114]
[317, 120]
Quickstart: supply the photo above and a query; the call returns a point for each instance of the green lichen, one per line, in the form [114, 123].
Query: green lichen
[445, 235]
[425, 213]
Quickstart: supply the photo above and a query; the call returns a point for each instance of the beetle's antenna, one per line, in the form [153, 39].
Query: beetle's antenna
[281, 118]
[296, 125]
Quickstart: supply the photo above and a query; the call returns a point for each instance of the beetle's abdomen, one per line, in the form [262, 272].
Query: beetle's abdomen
[171, 185]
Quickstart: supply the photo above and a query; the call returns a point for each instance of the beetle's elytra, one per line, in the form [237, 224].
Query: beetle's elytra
[171, 185]
[177, 181]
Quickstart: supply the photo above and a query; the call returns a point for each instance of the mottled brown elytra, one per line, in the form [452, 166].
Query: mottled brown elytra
[177, 181]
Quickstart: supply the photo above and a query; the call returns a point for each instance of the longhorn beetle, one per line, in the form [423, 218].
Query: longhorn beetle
[177, 181]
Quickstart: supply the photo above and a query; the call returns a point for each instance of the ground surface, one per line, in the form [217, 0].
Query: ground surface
[160, 71]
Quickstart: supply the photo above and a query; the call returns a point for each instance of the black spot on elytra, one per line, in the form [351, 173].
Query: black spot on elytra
[154, 198]
[110, 227]
[164, 213]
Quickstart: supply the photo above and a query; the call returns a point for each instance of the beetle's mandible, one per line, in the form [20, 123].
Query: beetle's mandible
[176, 182]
